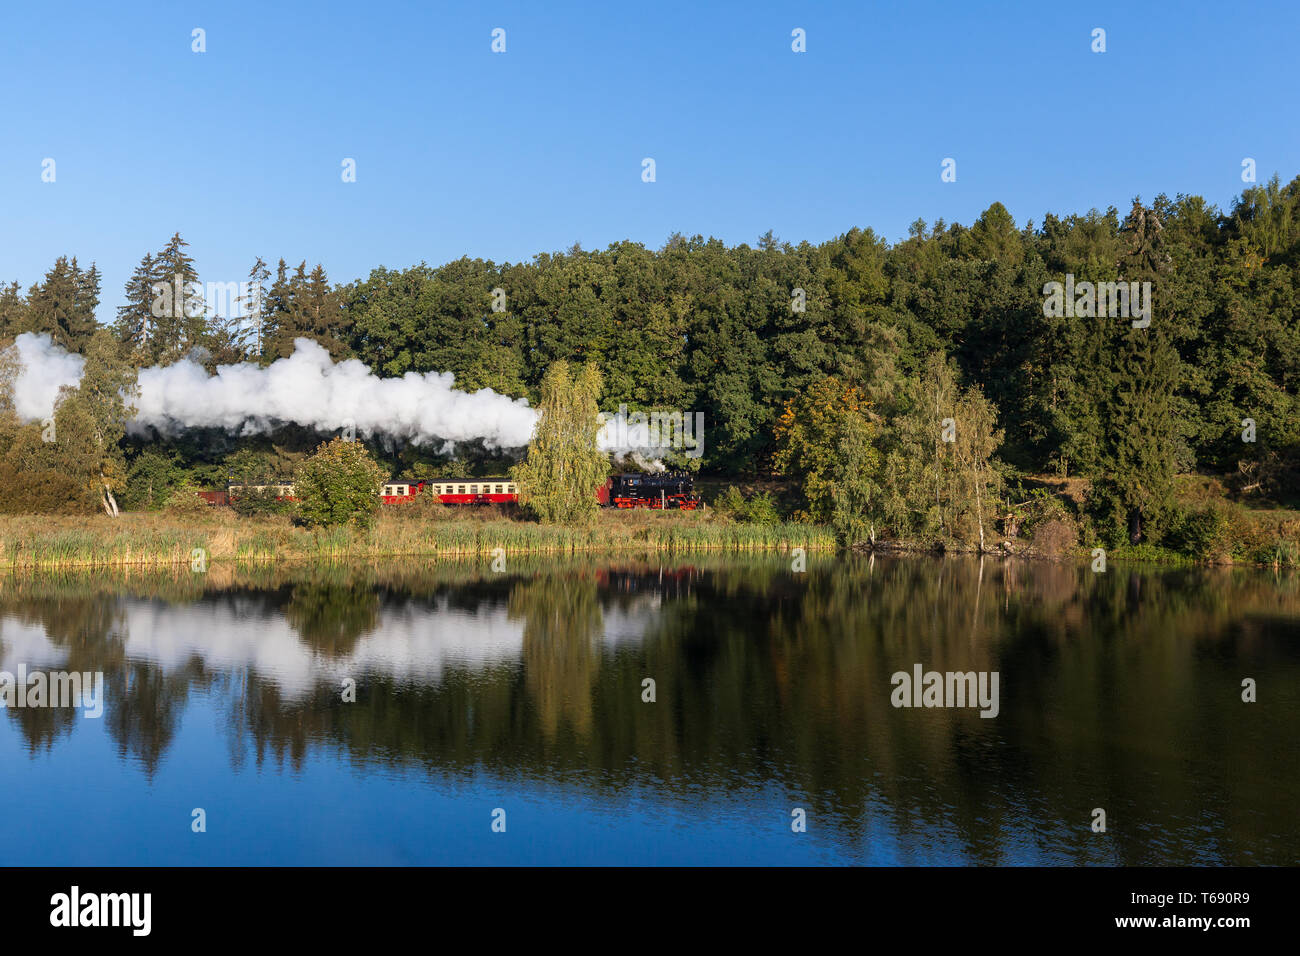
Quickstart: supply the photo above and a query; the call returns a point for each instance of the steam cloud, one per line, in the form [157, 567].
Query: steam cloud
[43, 369]
[308, 389]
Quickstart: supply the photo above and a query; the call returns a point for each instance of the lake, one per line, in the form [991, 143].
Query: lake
[444, 713]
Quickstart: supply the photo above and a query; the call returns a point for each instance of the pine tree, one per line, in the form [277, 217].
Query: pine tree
[1142, 434]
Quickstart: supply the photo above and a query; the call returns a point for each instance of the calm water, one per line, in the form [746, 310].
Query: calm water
[523, 691]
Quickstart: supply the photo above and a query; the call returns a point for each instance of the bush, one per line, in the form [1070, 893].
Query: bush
[1201, 533]
[44, 492]
[150, 482]
[185, 501]
[426, 505]
[255, 504]
[760, 509]
[339, 484]
[1041, 508]
[1055, 537]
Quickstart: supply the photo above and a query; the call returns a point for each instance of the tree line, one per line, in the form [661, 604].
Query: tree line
[751, 334]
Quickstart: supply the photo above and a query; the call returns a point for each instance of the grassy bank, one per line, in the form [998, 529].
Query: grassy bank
[159, 540]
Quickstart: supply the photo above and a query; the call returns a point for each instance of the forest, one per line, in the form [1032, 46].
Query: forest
[912, 388]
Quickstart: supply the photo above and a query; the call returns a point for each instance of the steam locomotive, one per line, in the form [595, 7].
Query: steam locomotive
[655, 490]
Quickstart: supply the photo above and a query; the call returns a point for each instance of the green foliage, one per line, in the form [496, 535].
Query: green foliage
[91, 418]
[62, 305]
[810, 436]
[73, 463]
[1041, 507]
[184, 501]
[558, 480]
[1200, 533]
[856, 468]
[150, 481]
[759, 509]
[34, 478]
[930, 486]
[253, 503]
[338, 485]
[698, 325]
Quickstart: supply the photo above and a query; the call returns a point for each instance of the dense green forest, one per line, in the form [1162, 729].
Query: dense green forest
[750, 335]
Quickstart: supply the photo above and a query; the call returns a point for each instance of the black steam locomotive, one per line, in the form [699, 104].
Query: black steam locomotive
[658, 490]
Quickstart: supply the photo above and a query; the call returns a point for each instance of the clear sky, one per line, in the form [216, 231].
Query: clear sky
[460, 150]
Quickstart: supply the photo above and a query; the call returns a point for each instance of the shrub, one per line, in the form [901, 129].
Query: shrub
[759, 509]
[1201, 533]
[151, 481]
[44, 492]
[1055, 537]
[339, 484]
[426, 505]
[184, 500]
[254, 504]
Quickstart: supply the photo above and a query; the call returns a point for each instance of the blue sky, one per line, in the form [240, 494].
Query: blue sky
[463, 151]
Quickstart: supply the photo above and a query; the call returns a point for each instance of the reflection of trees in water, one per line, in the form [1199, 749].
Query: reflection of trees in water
[88, 628]
[144, 706]
[1118, 690]
[276, 727]
[562, 627]
[331, 616]
[42, 726]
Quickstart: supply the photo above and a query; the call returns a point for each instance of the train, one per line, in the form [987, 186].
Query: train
[664, 490]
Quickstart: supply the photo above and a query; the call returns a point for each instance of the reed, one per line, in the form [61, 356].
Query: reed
[160, 540]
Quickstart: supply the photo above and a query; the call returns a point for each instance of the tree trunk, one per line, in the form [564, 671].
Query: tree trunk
[110, 504]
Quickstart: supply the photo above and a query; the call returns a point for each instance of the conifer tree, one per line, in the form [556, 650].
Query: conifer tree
[63, 304]
[135, 326]
[178, 296]
[254, 304]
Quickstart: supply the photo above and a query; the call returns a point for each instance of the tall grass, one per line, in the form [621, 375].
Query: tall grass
[159, 540]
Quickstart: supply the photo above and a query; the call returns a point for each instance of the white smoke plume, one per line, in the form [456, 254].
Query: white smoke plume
[42, 369]
[307, 388]
[310, 389]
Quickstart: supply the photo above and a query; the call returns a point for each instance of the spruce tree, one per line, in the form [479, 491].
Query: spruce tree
[63, 305]
[183, 324]
[135, 326]
[254, 304]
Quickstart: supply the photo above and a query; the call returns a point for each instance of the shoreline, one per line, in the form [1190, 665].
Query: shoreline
[136, 540]
[157, 540]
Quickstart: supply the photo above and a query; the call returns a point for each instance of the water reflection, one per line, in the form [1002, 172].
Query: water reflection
[1119, 690]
